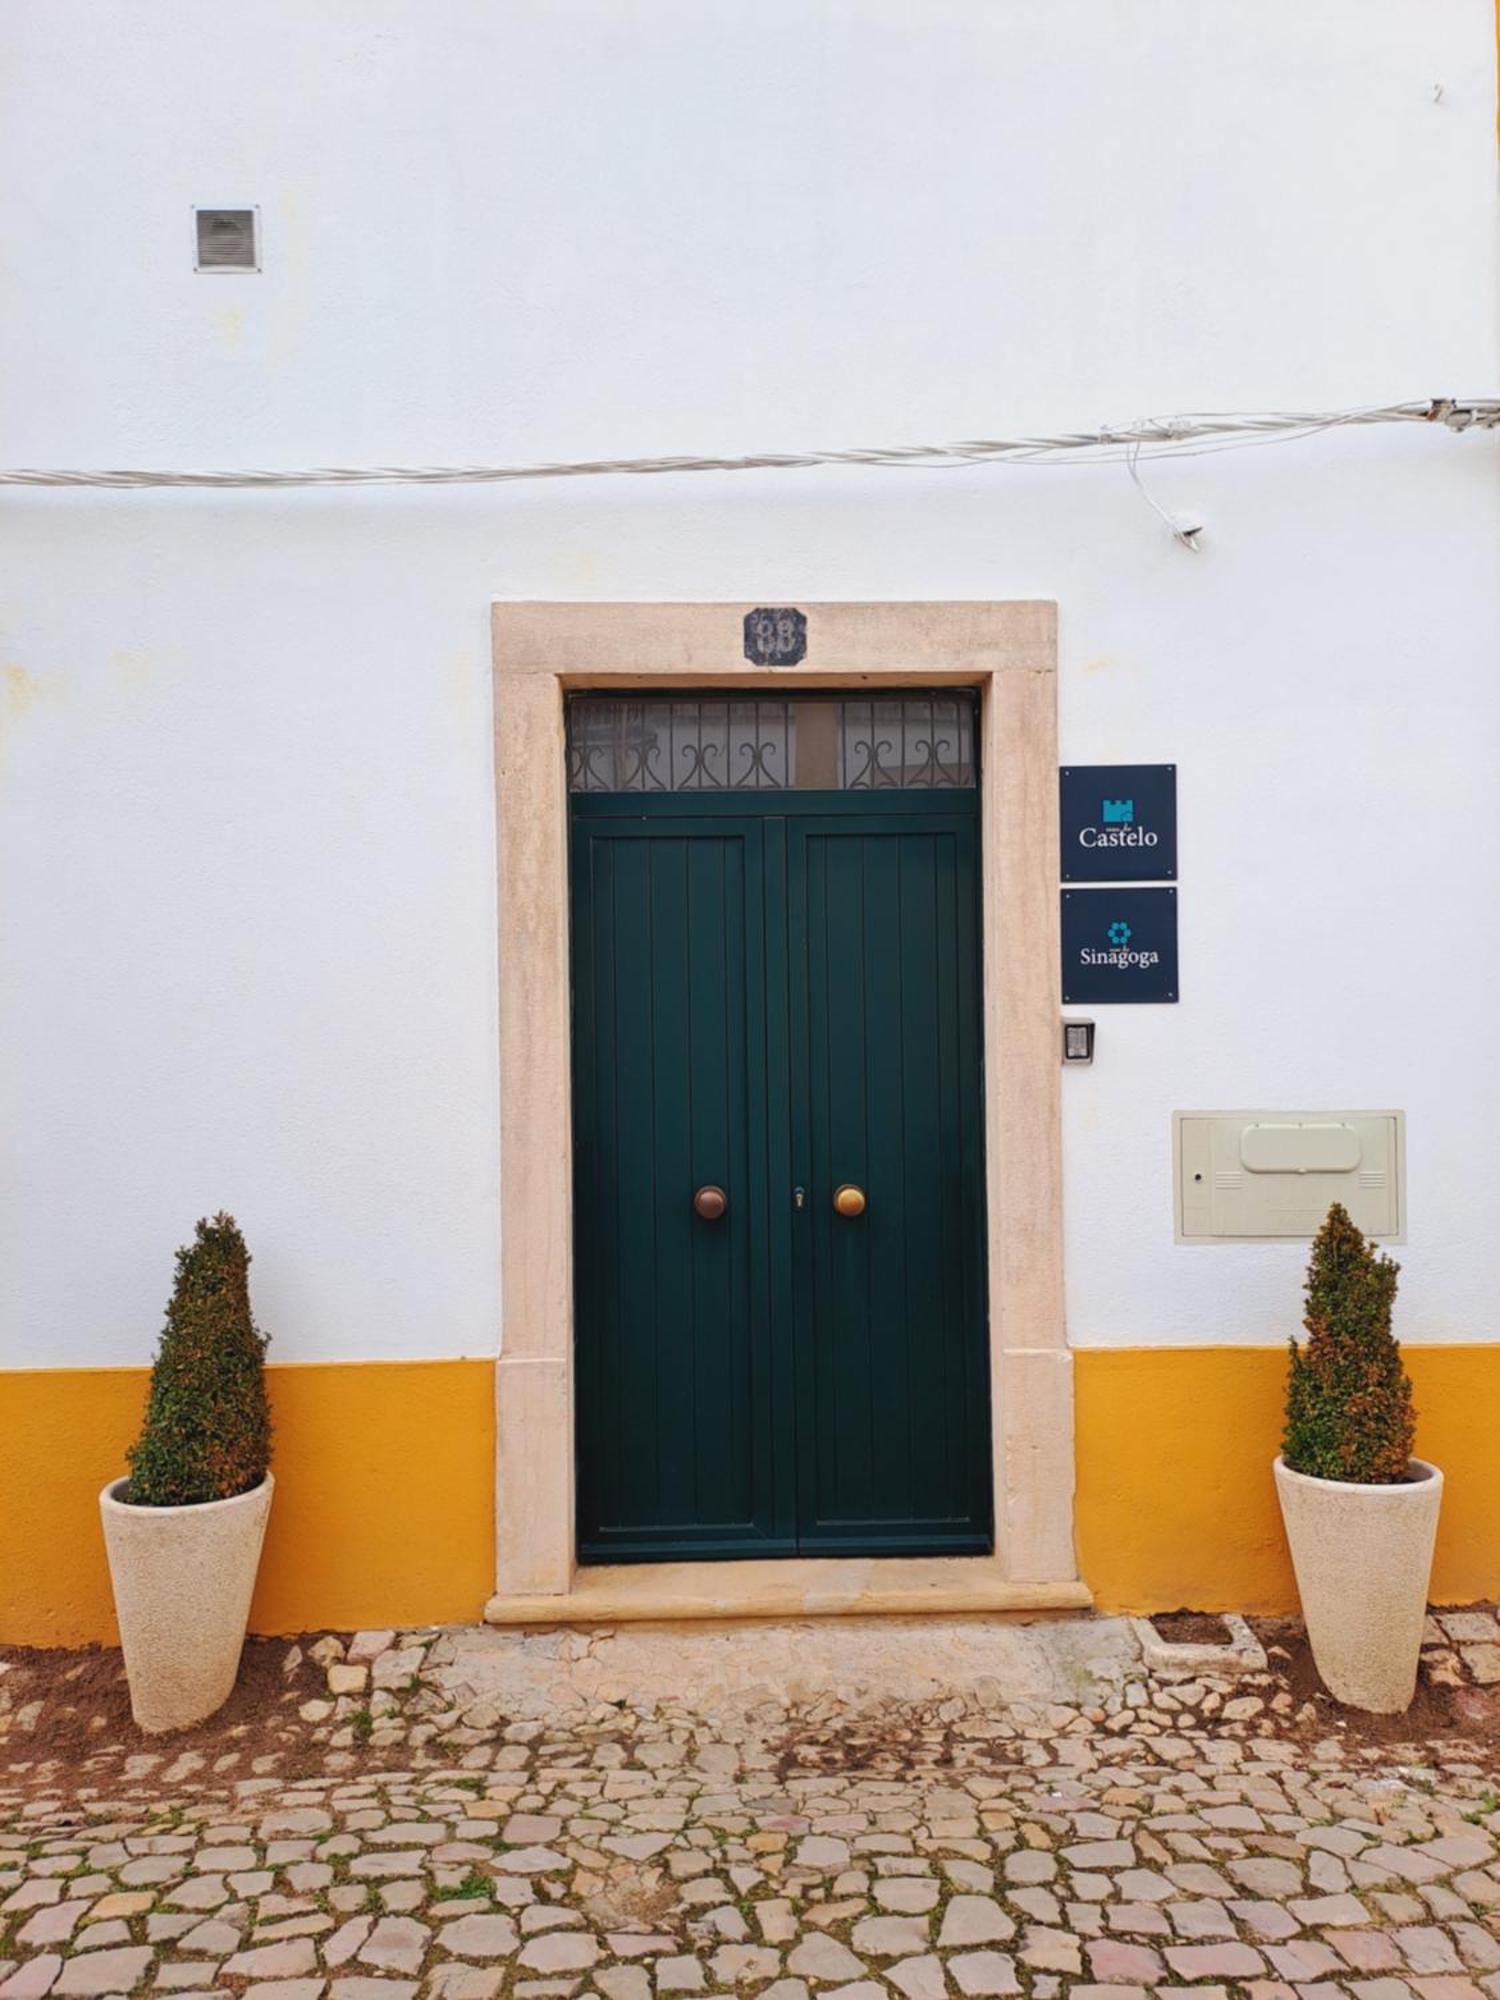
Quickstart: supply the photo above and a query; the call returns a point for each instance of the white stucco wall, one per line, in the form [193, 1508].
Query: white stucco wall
[246, 833]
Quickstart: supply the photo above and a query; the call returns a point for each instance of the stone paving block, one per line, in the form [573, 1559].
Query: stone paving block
[1139, 1919]
[101, 1972]
[818, 1957]
[54, 1924]
[919, 1978]
[1476, 1947]
[1215, 1961]
[971, 1920]
[289, 1960]
[1322, 1911]
[1203, 1918]
[367, 1646]
[1426, 1949]
[465, 1982]
[1100, 1854]
[889, 1937]
[982, 1973]
[122, 1903]
[1265, 1920]
[1367, 1951]
[1114, 1962]
[1049, 1950]
[557, 1952]
[909, 1895]
[1029, 1865]
[681, 1973]
[1471, 1625]
[479, 1936]
[1263, 1875]
[34, 1979]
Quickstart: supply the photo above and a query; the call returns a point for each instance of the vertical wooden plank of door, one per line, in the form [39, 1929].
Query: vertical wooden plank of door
[834, 1417]
[675, 1409]
[968, 1292]
[622, 1233]
[722, 1370]
[775, 1142]
[590, 892]
[674, 1056]
[881, 1347]
[892, 1390]
[924, 1077]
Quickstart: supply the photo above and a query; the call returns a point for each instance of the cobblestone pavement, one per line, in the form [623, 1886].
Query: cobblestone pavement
[1154, 1835]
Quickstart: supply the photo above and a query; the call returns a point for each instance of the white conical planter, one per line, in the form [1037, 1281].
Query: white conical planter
[1363, 1557]
[182, 1579]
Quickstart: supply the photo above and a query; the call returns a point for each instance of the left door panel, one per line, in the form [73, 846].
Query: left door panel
[677, 1411]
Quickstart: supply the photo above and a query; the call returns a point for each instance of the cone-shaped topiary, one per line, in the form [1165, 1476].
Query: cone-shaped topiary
[207, 1432]
[1349, 1412]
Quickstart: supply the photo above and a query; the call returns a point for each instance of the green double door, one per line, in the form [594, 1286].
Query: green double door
[776, 997]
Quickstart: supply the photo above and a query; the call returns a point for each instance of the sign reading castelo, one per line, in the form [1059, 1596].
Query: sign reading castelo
[1119, 822]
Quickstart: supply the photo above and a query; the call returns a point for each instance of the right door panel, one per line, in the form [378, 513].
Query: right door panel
[892, 1397]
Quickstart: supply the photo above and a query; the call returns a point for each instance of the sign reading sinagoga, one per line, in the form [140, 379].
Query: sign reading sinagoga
[1119, 945]
[1119, 822]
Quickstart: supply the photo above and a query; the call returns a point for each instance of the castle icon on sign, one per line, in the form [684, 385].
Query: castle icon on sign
[1119, 812]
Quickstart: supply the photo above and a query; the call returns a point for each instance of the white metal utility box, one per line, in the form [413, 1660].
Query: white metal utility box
[1243, 1175]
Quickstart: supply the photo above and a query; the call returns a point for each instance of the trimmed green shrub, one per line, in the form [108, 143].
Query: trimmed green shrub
[1349, 1411]
[207, 1431]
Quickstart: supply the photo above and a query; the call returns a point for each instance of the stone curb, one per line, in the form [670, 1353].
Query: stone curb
[1172, 1662]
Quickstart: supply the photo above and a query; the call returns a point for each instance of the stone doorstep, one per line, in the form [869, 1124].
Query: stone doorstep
[1170, 1662]
[791, 1588]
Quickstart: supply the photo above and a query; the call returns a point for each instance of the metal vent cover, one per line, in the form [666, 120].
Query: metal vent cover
[227, 239]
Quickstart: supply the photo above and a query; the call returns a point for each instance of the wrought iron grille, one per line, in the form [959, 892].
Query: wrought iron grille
[917, 742]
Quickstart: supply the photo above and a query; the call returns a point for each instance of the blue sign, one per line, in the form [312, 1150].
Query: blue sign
[1119, 822]
[1118, 945]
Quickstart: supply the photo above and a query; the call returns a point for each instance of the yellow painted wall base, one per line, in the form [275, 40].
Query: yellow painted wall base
[1176, 1504]
[385, 1483]
[384, 1505]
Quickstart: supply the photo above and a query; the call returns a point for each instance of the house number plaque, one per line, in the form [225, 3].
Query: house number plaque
[775, 637]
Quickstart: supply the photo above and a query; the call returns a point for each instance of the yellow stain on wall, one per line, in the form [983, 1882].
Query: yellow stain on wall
[1176, 1504]
[384, 1510]
[20, 693]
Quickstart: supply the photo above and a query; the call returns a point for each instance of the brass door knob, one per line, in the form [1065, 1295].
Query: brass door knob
[849, 1199]
[710, 1202]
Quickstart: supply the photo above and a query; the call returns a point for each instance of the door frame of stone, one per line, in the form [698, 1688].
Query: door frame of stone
[1008, 652]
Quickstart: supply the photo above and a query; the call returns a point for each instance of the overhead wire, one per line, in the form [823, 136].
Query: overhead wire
[1186, 436]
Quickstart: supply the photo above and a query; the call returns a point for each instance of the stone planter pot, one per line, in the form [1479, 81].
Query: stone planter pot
[182, 1579]
[1363, 1556]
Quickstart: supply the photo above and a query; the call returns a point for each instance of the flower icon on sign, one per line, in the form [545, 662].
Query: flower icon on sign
[1119, 934]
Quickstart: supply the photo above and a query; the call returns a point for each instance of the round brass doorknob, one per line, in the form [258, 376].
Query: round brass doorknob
[710, 1202]
[849, 1200]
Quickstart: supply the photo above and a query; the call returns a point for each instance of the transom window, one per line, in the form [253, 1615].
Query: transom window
[754, 743]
